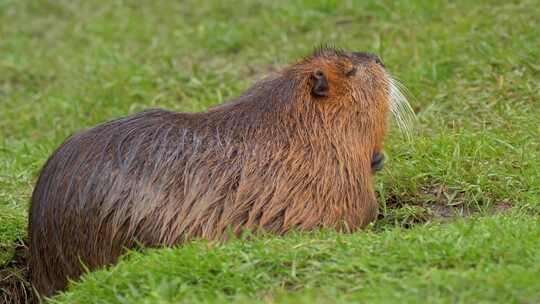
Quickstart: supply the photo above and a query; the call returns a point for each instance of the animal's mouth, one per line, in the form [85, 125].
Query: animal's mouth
[399, 106]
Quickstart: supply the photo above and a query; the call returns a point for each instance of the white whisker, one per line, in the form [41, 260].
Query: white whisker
[400, 107]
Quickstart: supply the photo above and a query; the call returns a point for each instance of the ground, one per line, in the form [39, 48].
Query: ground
[460, 200]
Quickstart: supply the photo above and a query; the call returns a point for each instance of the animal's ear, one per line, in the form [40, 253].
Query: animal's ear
[320, 84]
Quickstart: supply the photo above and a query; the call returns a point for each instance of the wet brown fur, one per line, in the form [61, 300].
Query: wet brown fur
[274, 159]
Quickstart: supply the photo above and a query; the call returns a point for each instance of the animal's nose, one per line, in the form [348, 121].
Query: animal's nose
[368, 57]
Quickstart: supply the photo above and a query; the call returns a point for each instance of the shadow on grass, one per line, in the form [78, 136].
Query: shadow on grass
[15, 287]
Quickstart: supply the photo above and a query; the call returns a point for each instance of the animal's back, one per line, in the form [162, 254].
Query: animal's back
[82, 206]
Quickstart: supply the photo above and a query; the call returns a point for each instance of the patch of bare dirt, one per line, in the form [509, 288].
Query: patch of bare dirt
[436, 204]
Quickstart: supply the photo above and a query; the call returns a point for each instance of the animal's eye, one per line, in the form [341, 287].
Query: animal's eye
[351, 72]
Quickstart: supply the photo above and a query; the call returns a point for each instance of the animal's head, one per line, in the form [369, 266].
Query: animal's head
[337, 81]
[331, 88]
[344, 92]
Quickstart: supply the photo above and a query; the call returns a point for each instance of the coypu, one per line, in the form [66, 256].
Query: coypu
[297, 150]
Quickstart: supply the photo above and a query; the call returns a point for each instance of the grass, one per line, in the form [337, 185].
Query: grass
[472, 68]
[470, 261]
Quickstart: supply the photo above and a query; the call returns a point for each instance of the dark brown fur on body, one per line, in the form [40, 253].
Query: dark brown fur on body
[294, 151]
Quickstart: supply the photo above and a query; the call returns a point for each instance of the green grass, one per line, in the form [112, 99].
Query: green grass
[474, 261]
[473, 71]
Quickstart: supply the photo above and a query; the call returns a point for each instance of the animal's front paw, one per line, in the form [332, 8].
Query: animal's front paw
[377, 161]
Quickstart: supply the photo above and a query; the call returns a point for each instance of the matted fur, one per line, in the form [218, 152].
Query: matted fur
[275, 158]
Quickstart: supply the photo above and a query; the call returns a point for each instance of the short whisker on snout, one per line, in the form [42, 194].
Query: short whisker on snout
[401, 109]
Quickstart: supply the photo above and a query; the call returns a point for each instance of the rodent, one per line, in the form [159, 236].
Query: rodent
[297, 150]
